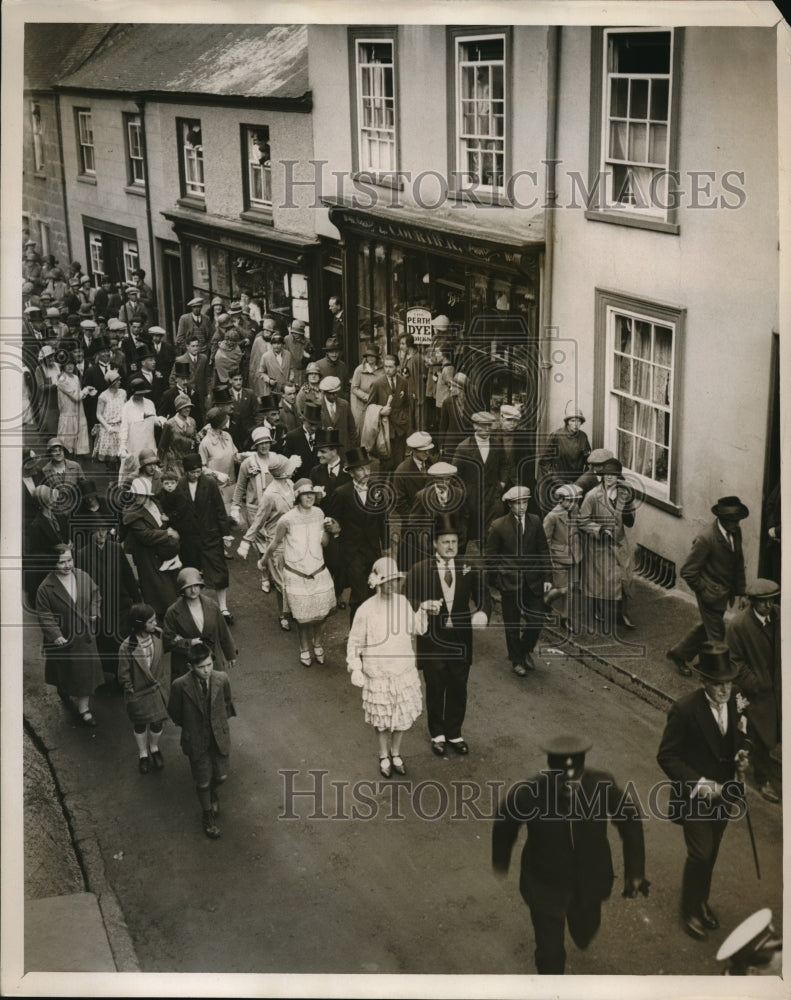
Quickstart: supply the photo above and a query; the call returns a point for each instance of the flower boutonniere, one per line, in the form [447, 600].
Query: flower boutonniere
[741, 703]
[465, 570]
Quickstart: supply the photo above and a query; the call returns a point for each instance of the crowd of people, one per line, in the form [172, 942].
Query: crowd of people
[394, 490]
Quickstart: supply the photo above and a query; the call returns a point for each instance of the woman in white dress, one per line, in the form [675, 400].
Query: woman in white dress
[380, 656]
[309, 591]
[109, 408]
[72, 422]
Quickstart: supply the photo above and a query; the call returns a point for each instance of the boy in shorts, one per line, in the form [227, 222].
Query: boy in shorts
[200, 703]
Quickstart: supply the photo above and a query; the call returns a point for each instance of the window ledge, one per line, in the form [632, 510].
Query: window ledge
[196, 204]
[86, 179]
[261, 216]
[634, 221]
[666, 505]
[136, 189]
[485, 199]
[386, 180]
[40, 175]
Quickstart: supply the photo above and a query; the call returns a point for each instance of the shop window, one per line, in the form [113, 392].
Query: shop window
[38, 138]
[85, 141]
[131, 259]
[634, 122]
[96, 254]
[258, 167]
[638, 348]
[375, 105]
[481, 111]
[191, 158]
[135, 164]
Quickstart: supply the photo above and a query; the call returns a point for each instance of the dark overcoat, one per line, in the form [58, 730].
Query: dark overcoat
[179, 629]
[201, 523]
[150, 545]
[508, 568]
[187, 709]
[713, 570]
[73, 668]
[482, 483]
[145, 688]
[755, 650]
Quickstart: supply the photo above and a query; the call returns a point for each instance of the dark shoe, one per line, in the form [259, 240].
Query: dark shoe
[144, 765]
[708, 918]
[459, 746]
[398, 764]
[385, 767]
[158, 759]
[439, 747]
[694, 927]
[210, 828]
[86, 719]
[285, 624]
[776, 753]
[65, 699]
[229, 619]
[340, 605]
[768, 793]
[528, 662]
[681, 666]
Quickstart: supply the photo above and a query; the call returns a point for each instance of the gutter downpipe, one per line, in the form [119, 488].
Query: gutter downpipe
[141, 106]
[59, 123]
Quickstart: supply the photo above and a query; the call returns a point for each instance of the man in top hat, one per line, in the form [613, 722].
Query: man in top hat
[564, 457]
[275, 367]
[444, 652]
[302, 442]
[268, 416]
[182, 387]
[332, 364]
[703, 753]
[753, 948]
[479, 459]
[567, 870]
[194, 323]
[360, 507]
[714, 571]
[442, 494]
[95, 375]
[164, 353]
[296, 344]
[753, 638]
[336, 412]
[519, 565]
[389, 391]
[329, 472]
[454, 416]
[147, 370]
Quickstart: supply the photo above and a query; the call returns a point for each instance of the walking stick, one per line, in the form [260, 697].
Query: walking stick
[741, 762]
[752, 840]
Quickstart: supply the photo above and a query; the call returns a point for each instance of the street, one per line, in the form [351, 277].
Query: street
[296, 885]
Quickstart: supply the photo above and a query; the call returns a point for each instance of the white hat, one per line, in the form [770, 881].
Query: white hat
[568, 491]
[483, 417]
[442, 469]
[140, 487]
[330, 383]
[306, 486]
[506, 410]
[516, 493]
[32, 309]
[88, 324]
[116, 324]
[384, 569]
[197, 301]
[440, 322]
[420, 441]
[157, 329]
[261, 434]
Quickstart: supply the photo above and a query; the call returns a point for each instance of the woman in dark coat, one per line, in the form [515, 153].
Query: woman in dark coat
[194, 618]
[48, 529]
[143, 675]
[68, 606]
[153, 545]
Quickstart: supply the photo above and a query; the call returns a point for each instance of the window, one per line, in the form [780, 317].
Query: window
[135, 165]
[130, 258]
[638, 346]
[43, 238]
[481, 111]
[258, 167]
[38, 138]
[633, 122]
[376, 105]
[85, 141]
[96, 253]
[191, 162]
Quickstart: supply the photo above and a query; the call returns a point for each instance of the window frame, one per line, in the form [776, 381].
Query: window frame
[80, 115]
[95, 243]
[661, 219]
[608, 305]
[190, 197]
[132, 118]
[455, 38]
[258, 209]
[130, 253]
[378, 35]
[38, 137]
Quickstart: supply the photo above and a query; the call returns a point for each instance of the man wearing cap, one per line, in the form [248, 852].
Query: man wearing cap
[753, 638]
[714, 571]
[332, 364]
[567, 870]
[336, 412]
[444, 652]
[275, 367]
[194, 323]
[590, 477]
[479, 459]
[442, 494]
[132, 310]
[703, 753]
[519, 566]
[360, 507]
[409, 478]
[297, 345]
[753, 948]
[389, 392]
[454, 416]
[517, 461]
[87, 340]
[164, 353]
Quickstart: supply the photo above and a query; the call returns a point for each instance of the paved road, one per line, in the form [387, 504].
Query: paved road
[412, 894]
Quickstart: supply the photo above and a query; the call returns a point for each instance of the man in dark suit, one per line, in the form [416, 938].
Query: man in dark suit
[714, 571]
[361, 509]
[703, 753]
[409, 478]
[194, 324]
[336, 412]
[146, 363]
[164, 353]
[444, 653]
[454, 416]
[479, 459]
[94, 376]
[303, 441]
[520, 566]
[198, 371]
[243, 409]
[567, 867]
[753, 638]
[443, 494]
[131, 343]
[182, 387]
[330, 474]
[390, 391]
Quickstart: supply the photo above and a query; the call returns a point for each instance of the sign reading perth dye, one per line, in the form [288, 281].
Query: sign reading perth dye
[418, 323]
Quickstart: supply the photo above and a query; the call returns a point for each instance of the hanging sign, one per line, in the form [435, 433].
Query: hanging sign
[418, 323]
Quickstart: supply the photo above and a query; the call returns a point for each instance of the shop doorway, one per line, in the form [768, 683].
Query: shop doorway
[171, 287]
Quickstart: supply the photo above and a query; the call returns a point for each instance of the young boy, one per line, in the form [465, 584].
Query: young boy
[200, 702]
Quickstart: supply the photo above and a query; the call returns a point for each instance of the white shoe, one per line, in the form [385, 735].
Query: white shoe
[266, 586]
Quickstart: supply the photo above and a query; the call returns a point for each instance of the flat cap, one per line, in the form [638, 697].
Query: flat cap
[600, 455]
[511, 412]
[330, 383]
[442, 469]
[154, 330]
[197, 301]
[483, 417]
[762, 589]
[420, 441]
[516, 493]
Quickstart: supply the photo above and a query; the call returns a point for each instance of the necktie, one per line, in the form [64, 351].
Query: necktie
[448, 574]
[311, 439]
[333, 473]
[519, 533]
[392, 384]
[204, 686]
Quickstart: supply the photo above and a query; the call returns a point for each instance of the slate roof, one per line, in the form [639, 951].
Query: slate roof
[55, 50]
[242, 60]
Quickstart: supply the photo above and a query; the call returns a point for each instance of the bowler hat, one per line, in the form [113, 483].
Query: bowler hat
[181, 368]
[762, 589]
[566, 745]
[730, 507]
[192, 462]
[328, 437]
[188, 577]
[221, 394]
[445, 524]
[714, 663]
[313, 413]
[356, 457]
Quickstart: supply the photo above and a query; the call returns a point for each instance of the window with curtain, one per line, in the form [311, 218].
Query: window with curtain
[135, 166]
[85, 141]
[376, 105]
[191, 142]
[258, 167]
[481, 109]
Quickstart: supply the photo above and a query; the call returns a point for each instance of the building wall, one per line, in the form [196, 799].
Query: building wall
[42, 191]
[722, 269]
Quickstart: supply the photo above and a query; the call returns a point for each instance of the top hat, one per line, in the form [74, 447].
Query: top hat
[143, 352]
[221, 394]
[355, 457]
[730, 507]
[445, 524]
[312, 413]
[328, 437]
[271, 401]
[181, 368]
[714, 663]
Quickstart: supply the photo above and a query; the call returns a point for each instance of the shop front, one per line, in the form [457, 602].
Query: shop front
[278, 271]
[400, 273]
